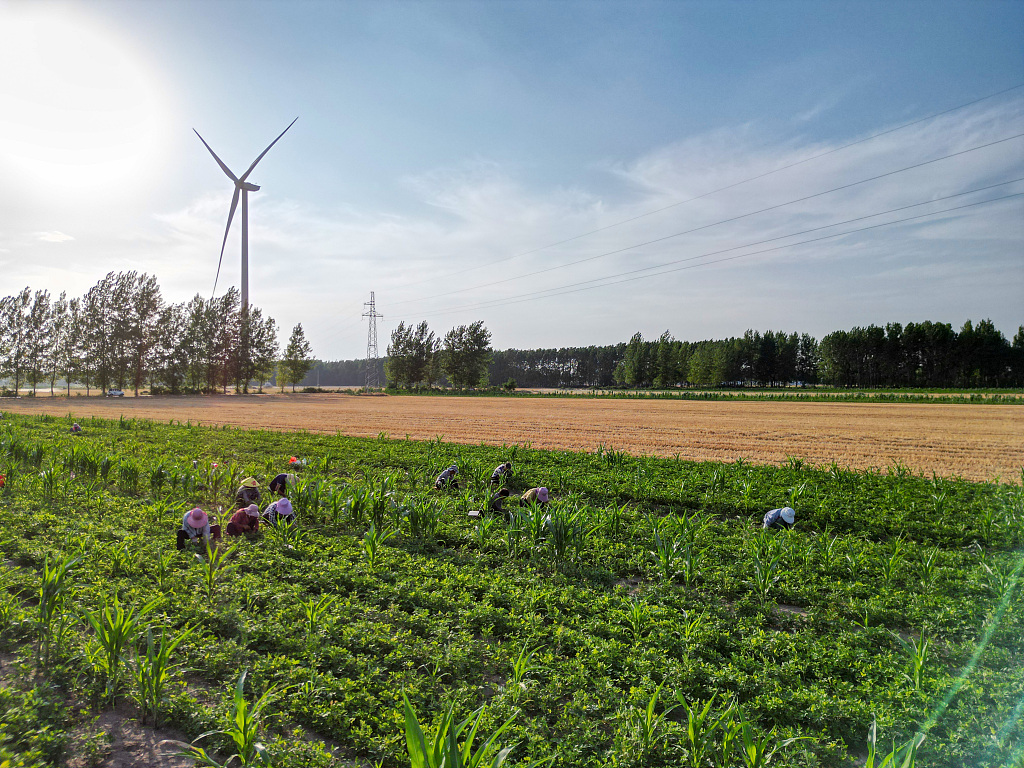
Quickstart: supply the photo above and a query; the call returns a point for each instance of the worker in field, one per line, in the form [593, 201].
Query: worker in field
[248, 493]
[784, 517]
[497, 501]
[196, 529]
[76, 428]
[535, 496]
[501, 473]
[280, 511]
[280, 483]
[245, 520]
[448, 479]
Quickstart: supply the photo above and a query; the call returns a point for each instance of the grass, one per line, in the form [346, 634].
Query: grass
[561, 632]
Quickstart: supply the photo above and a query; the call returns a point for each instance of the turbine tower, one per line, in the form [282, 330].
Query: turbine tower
[242, 188]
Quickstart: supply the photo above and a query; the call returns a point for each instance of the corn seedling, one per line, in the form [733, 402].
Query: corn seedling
[927, 567]
[54, 589]
[152, 670]
[700, 729]
[917, 653]
[903, 756]
[666, 551]
[244, 723]
[116, 629]
[373, 540]
[892, 563]
[423, 517]
[482, 528]
[756, 749]
[767, 565]
[645, 725]
[215, 566]
[521, 667]
[443, 749]
[315, 610]
[637, 618]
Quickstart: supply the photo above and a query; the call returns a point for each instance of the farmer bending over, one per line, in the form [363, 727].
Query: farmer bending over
[535, 496]
[497, 502]
[279, 511]
[447, 479]
[75, 428]
[501, 472]
[244, 521]
[280, 483]
[780, 518]
[195, 526]
[248, 493]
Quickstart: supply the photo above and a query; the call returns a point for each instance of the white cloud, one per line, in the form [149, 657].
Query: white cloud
[53, 237]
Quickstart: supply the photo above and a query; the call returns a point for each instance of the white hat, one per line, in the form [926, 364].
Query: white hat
[788, 514]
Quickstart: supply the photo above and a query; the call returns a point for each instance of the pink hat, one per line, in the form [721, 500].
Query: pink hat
[284, 507]
[542, 494]
[252, 510]
[197, 518]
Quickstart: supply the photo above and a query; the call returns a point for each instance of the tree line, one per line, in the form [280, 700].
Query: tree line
[122, 334]
[923, 354]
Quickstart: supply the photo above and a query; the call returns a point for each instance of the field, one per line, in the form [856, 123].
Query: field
[642, 620]
[976, 442]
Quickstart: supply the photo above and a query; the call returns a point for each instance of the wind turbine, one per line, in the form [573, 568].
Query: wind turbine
[243, 188]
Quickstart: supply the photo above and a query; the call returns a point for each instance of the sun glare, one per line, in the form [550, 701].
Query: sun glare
[79, 110]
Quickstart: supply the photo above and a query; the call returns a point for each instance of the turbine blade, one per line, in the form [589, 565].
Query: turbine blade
[231, 214]
[219, 161]
[246, 174]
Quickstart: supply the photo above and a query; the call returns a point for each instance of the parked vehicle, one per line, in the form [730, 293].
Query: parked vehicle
[115, 393]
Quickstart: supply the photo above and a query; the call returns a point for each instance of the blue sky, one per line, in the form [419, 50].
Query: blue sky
[442, 147]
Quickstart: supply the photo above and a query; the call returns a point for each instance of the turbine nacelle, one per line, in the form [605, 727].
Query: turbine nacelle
[246, 186]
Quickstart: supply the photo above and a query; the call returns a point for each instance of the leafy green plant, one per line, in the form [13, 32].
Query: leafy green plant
[903, 756]
[917, 654]
[372, 542]
[116, 629]
[245, 721]
[757, 749]
[216, 566]
[700, 728]
[152, 669]
[443, 749]
[521, 667]
[315, 610]
[54, 590]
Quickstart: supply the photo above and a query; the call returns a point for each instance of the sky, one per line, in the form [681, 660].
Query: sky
[570, 173]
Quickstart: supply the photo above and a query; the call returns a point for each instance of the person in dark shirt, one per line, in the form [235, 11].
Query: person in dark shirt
[248, 493]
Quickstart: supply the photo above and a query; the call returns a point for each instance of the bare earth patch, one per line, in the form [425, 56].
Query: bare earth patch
[976, 442]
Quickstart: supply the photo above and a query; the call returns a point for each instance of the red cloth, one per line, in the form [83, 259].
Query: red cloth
[242, 521]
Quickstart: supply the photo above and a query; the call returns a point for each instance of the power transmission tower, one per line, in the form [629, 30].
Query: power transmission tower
[372, 379]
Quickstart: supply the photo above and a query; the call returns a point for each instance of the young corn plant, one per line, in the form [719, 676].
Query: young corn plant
[644, 727]
[116, 628]
[757, 749]
[521, 667]
[315, 610]
[216, 566]
[423, 517]
[903, 756]
[244, 724]
[767, 565]
[927, 567]
[917, 655]
[443, 749]
[667, 554]
[372, 542]
[152, 669]
[54, 589]
[637, 619]
[892, 563]
[699, 736]
[482, 528]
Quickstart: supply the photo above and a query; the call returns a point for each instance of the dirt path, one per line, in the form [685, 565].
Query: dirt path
[977, 442]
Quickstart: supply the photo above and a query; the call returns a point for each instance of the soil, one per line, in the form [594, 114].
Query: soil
[975, 442]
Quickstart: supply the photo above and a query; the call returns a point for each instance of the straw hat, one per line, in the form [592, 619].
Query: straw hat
[197, 518]
[250, 482]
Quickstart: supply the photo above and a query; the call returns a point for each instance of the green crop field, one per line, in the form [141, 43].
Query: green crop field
[643, 619]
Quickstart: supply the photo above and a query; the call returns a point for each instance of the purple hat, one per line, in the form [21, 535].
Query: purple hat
[252, 510]
[284, 507]
[197, 518]
[542, 494]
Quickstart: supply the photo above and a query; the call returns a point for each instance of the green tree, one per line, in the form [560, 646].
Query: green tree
[466, 354]
[298, 358]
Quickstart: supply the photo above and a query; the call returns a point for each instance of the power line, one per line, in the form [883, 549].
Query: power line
[715, 191]
[716, 223]
[574, 287]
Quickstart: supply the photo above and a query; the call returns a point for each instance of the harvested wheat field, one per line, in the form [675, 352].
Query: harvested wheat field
[976, 442]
